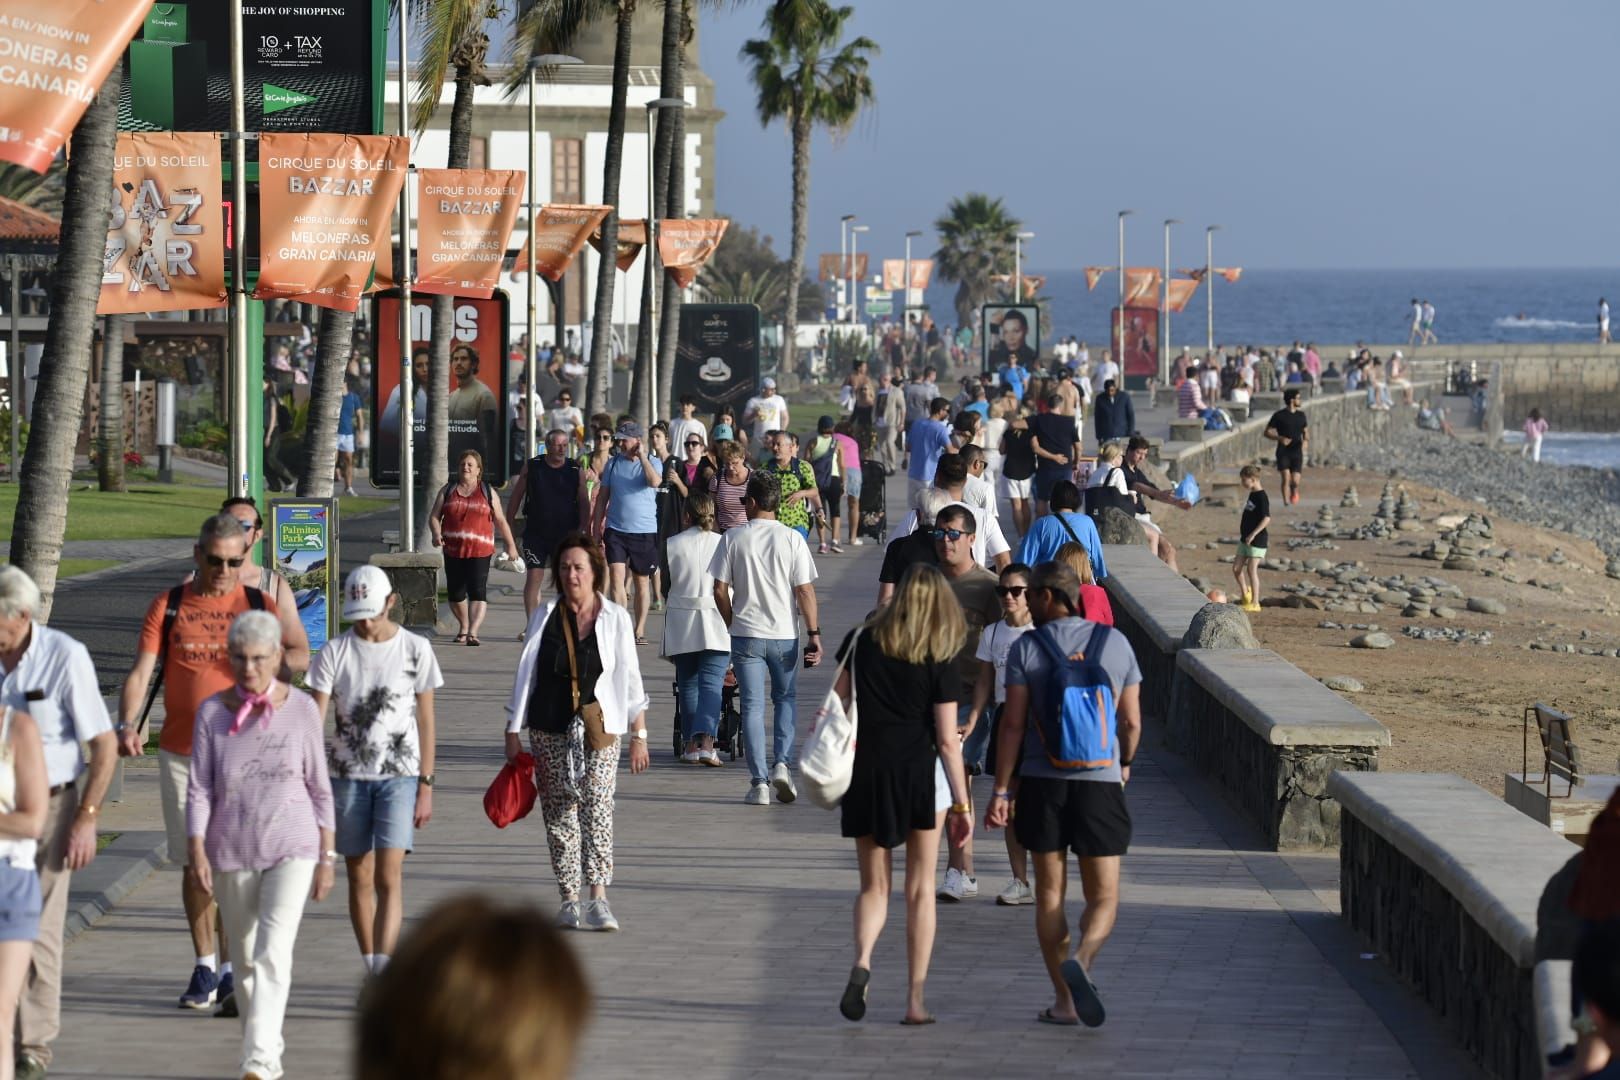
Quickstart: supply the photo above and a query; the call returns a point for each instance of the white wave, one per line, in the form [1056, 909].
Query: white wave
[1515, 322]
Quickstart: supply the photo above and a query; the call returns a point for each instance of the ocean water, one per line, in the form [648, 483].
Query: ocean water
[1575, 448]
[1344, 306]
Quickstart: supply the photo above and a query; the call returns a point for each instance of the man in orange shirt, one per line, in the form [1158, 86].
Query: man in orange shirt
[194, 667]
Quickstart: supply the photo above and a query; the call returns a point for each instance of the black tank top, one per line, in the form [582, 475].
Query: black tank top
[1019, 461]
[551, 504]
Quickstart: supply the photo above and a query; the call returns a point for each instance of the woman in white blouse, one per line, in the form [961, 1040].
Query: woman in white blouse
[696, 640]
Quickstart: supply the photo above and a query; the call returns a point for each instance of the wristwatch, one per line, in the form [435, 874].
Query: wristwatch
[330, 856]
[639, 733]
[426, 779]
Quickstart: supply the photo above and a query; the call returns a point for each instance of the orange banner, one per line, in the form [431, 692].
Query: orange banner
[1196, 273]
[1181, 291]
[1141, 285]
[464, 218]
[53, 58]
[325, 209]
[165, 235]
[632, 238]
[685, 245]
[563, 229]
[894, 272]
[856, 268]
[1094, 274]
[1230, 273]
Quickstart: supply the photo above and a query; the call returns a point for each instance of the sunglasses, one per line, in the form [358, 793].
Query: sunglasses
[217, 561]
[604, 437]
[947, 534]
[1010, 590]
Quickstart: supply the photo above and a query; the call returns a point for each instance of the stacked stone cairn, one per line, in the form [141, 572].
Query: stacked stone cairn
[1462, 547]
[1351, 497]
[1406, 513]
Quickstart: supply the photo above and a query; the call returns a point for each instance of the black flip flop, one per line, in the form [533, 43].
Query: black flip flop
[459, 639]
[1045, 1017]
[473, 641]
[909, 1022]
[1084, 992]
[853, 1003]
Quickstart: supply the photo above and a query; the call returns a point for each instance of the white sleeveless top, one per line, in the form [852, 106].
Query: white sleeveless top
[19, 853]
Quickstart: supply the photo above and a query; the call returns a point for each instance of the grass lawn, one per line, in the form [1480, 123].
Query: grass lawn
[145, 511]
[73, 567]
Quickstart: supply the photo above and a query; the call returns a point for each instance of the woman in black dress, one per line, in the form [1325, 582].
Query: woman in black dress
[904, 688]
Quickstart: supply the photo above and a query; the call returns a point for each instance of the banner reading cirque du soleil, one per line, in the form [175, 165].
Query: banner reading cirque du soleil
[464, 218]
[165, 239]
[685, 246]
[562, 229]
[53, 58]
[325, 209]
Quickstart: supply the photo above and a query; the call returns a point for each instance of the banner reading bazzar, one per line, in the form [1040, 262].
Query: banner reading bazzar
[325, 209]
[685, 245]
[165, 239]
[464, 219]
[53, 58]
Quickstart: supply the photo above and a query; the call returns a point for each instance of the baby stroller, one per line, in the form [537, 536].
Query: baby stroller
[874, 501]
[728, 736]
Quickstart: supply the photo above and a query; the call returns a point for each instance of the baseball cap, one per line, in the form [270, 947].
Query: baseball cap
[723, 431]
[365, 593]
[768, 383]
[629, 430]
[826, 423]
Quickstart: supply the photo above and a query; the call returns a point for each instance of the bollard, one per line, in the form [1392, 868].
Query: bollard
[166, 407]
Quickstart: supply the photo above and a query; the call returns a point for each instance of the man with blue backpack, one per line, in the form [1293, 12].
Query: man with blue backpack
[1068, 732]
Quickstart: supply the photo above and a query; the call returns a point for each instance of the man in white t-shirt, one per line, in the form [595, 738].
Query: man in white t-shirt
[686, 424]
[767, 412]
[380, 753]
[761, 570]
[1106, 370]
[565, 416]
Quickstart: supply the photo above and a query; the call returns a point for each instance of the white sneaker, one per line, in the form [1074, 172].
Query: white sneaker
[710, 758]
[759, 795]
[782, 781]
[691, 757]
[568, 915]
[857, 542]
[598, 916]
[957, 886]
[1016, 894]
[348, 491]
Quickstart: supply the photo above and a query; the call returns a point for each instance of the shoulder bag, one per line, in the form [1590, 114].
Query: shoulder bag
[586, 729]
[827, 759]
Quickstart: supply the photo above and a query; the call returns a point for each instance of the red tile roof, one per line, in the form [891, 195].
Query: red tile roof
[19, 222]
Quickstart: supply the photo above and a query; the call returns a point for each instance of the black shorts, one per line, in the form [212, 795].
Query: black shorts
[1291, 458]
[638, 551]
[831, 496]
[467, 579]
[1089, 817]
[538, 550]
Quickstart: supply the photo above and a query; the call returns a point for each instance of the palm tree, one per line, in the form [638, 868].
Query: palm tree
[47, 468]
[110, 422]
[976, 237]
[803, 76]
[334, 340]
[670, 166]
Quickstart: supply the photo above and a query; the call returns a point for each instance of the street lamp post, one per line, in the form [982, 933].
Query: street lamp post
[652, 252]
[1209, 286]
[843, 266]
[1164, 308]
[854, 261]
[1018, 265]
[1119, 315]
[905, 286]
[531, 414]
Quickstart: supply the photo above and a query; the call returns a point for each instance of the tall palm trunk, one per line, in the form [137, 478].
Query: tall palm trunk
[801, 229]
[326, 401]
[47, 467]
[641, 374]
[596, 396]
[110, 433]
[671, 164]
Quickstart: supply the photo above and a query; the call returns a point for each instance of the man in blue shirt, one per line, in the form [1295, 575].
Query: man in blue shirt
[349, 416]
[1065, 524]
[1113, 413]
[928, 438]
[629, 505]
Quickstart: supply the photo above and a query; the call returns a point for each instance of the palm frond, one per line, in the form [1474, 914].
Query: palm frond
[548, 26]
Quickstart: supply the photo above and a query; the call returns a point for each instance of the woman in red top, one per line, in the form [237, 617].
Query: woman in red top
[463, 520]
[1094, 603]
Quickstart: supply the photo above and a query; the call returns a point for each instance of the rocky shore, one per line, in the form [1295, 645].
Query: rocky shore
[1581, 501]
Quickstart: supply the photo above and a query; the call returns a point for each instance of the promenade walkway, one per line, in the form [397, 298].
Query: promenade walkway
[1227, 961]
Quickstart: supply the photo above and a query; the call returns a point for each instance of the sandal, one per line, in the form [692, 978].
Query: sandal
[461, 638]
[641, 639]
[473, 641]
[1045, 1017]
[928, 1018]
[853, 1004]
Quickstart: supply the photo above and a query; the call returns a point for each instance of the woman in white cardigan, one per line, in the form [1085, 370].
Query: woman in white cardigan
[579, 662]
[696, 640]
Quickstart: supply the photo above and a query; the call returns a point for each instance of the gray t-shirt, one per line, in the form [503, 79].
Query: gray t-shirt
[1028, 665]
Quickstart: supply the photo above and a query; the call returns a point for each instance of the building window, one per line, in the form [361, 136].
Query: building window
[568, 186]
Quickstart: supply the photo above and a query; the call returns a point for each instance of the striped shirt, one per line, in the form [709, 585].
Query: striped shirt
[728, 501]
[1189, 402]
[259, 797]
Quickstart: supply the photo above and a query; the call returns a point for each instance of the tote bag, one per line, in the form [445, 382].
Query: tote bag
[827, 760]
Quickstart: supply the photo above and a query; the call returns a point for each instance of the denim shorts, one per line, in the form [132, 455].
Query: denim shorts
[19, 903]
[374, 814]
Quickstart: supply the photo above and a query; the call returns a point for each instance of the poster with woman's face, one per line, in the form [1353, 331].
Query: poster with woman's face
[1010, 330]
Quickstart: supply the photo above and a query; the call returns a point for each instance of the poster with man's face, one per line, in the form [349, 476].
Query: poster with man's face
[1010, 330]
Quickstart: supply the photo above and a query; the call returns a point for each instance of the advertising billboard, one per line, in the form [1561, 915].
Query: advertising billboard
[1010, 329]
[303, 543]
[1139, 355]
[717, 357]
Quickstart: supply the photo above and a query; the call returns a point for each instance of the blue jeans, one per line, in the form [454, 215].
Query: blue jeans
[698, 679]
[751, 658]
[973, 749]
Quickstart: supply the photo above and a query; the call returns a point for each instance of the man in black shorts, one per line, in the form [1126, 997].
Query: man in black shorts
[1289, 428]
[1061, 810]
[550, 491]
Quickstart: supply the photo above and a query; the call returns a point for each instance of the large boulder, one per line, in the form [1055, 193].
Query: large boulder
[1219, 626]
[1115, 526]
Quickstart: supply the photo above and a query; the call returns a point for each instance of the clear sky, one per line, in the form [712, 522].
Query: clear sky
[1376, 133]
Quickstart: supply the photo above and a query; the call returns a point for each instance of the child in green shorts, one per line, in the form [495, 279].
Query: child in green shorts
[1251, 537]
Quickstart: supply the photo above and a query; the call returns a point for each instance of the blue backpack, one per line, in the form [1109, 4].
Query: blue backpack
[1079, 735]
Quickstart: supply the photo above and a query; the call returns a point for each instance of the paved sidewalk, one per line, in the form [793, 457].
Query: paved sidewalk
[736, 937]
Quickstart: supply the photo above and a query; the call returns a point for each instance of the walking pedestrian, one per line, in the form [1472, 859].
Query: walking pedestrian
[761, 570]
[1416, 337]
[695, 636]
[926, 440]
[891, 423]
[1094, 603]
[990, 693]
[550, 496]
[1603, 321]
[1057, 447]
[1289, 428]
[907, 776]
[277, 419]
[1018, 468]
[463, 521]
[1068, 806]
[259, 826]
[850, 439]
[628, 508]
[729, 486]
[686, 426]
[767, 412]
[1535, 429]
[351, 415]
[1429, 337]
[796, 481]
[1064, 524]
[1252, 537]
[50, 677]
[381, 754]
[1113, 415]
[578, 690]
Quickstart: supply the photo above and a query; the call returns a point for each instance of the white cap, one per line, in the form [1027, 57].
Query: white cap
[1397, 352]
[365, 593]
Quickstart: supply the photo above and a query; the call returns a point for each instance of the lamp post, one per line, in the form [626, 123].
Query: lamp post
[854, 261]
[1119, 316]
[407, 392]
[1209, 286]
[1018, 265]
[1164, 308]
[531, 414]
[652, 251]
[843, 265]
[905, 294]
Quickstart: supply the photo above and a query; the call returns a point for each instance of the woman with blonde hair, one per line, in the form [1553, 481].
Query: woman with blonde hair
[898, 669]
[1094, 602]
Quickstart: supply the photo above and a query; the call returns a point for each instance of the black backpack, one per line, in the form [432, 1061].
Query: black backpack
[171, 613]
[1103, 495]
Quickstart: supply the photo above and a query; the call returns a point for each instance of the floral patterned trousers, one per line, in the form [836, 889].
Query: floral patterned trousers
[579, 831]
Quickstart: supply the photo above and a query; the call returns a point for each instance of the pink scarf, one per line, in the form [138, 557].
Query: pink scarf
[251, 703]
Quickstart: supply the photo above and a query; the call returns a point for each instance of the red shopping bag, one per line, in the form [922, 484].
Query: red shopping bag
[512, 795]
